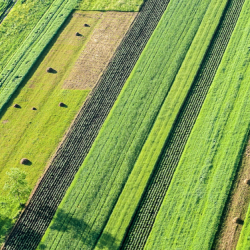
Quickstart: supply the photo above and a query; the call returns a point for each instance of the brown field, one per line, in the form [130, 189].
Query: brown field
[237, 206]
[100, 48]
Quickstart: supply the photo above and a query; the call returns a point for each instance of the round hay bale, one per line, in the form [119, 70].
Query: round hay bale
[24, 161]
[238, 220]
[86, 25]
[33, 108]
[16, 106]
[78, 34]
[61, 104]
[49, 70]
[247, 181]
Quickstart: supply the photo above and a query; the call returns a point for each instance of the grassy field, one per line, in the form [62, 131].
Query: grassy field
[135, 186]
[35, 134]
[92, 195]
[17, 26]
[192, 209]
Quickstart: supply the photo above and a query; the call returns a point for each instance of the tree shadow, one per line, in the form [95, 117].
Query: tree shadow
[80, 230]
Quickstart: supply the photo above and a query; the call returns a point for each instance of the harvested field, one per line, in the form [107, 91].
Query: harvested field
[35, 133]
[238, 203]
[36, 218]
[99, 50]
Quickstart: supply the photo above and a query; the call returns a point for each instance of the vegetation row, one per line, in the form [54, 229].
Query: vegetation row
[27, 233]
[101, 178]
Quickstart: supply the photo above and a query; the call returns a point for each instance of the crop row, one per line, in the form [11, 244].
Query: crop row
[164, 170]
[99, 182]
[28, 53]
[4, 6]
[152, 199]
[193, 206]
[36, 218]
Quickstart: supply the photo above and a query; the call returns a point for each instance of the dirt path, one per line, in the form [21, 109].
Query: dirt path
[99, 50]
[237, 206]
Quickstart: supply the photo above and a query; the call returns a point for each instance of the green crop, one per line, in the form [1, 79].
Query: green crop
[151, 151]
[89, 201]
[190, 214]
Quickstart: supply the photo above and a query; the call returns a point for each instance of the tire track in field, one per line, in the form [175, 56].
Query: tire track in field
[35, 219]
[154, 194]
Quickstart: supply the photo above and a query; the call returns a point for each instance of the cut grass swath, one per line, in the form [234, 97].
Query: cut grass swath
[97, 185]
[190, 214]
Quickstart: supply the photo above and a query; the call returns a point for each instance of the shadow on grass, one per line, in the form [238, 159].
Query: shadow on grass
[79, 230]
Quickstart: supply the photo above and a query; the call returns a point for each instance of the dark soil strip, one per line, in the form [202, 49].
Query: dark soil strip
[36, 218]
[152, 199]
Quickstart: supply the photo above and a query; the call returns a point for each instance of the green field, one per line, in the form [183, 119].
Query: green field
[191, 211]
[93, 193]
[35, 134]
[150, 153]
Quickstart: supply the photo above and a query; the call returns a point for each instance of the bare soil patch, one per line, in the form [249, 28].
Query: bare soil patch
[237, 206]
[99, 50]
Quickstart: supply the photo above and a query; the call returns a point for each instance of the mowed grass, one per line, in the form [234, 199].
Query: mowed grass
[118, 5]
[89, 201]
[35, 134]
[190, 214]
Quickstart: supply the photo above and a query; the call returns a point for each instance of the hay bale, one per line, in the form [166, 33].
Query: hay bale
[17, 106]
[238, 220]
[61, 104]
[78, 34]
[33, 108]
[86, 25]
[247, 181]
[50, 70]
[24, 161]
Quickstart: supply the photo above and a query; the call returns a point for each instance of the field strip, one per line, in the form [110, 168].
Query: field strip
[99, 50]
[174, 146]
[129, 199]
[35, 134]
[237, 205]
[192, 208]
[34, 221]
[100, 180]
[19, 65]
